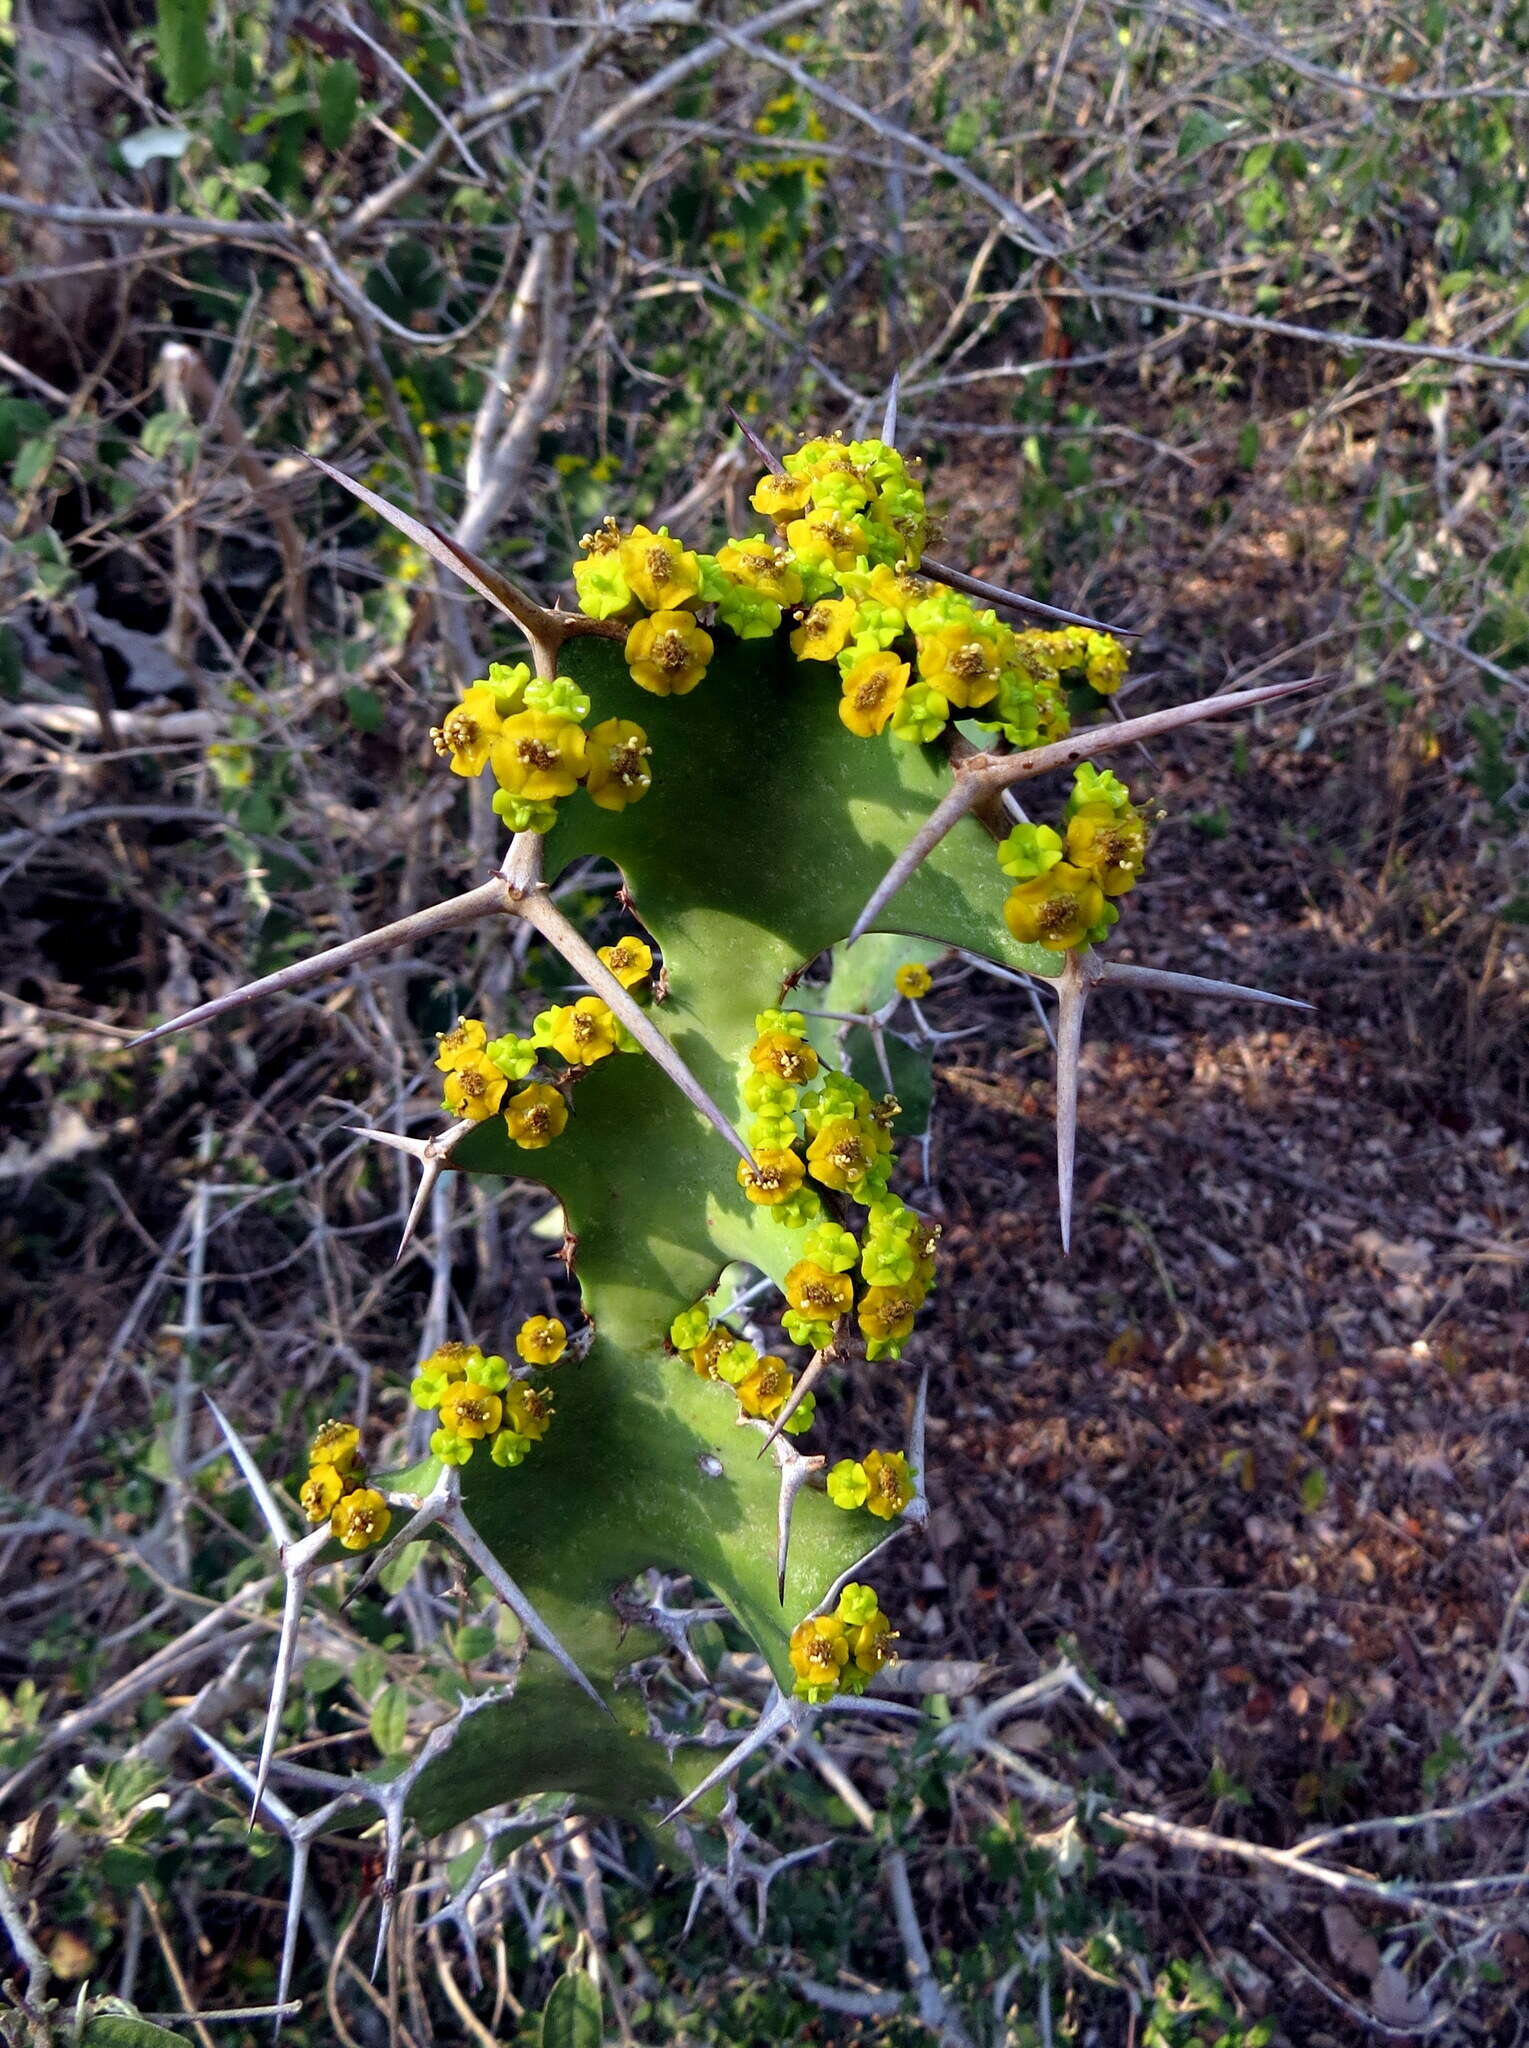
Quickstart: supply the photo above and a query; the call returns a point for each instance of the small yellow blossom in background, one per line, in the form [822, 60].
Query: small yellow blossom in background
[337, 1444]
[536, 1116]
[1058, 909]
[321, 1489]
[825, 630]
[528, 1410]
[541, 1340]
[889, 1484]
[813, 1292]
[583, 1032]
[1109, 845]
[788, 1058]
[449, 1361]
[871, 692]
[617, 757]
[661, 574]
[538, 755]
[629, 960]
[460, 1045]
[667, 654]
[361, 1519]
[471, 1411]
[819, 1652]
[475, 1089]
[763, 1392]
[913, 980]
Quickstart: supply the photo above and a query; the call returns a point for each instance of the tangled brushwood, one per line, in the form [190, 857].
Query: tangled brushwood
[813, 733]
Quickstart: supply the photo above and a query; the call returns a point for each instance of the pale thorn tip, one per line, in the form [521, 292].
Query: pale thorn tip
[1013, 600]
[889, 417]
[456, 1525]
[1126, 974]
[299, 1562]
[255, 1479]
[949, 811]
[917, 1510]
[761, 448]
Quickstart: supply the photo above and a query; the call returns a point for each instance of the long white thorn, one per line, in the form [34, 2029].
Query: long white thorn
[299, 1562]
[434, 1160]
[484, 901]
[1012, 600]
[795, 1471]
[395, 1140]
[454, 1521]
[949, 811]
[539, 910]
[1123, 974]
[917, 1509]
[1072, 999]
[779, 1713]
[426, 1515]
[254, 1478]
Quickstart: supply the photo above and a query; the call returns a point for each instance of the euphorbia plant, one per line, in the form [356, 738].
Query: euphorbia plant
[814, 733]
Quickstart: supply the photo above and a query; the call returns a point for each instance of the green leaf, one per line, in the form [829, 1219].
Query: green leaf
[364, 707]
[185, 54]
[1247, 445]
[339, 90]
[1313, 1489]
[321, 1675]
[33, 461]
[395, 1576]
[573, 2017]
[1200, 131]
[390, 1720]
[119, 2030]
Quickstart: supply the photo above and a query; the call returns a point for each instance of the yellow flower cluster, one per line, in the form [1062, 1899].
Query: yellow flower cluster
[531, 733]
[842, 1651]
[479, 1401]
[335, 1490]
[478, 1076]
[881, 1483]
[1064, 885]
[762, 1383]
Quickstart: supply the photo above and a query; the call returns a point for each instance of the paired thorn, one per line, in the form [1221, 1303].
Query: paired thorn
[433, 1154]
[454, 1522]
[1123, 974]
[795, 1469]
[779, 1713]
[421, 924]
[986, 775]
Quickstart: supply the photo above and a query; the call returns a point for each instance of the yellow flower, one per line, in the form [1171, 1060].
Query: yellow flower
[900, 590]
[337, 1444]
[871, 1644]
[889, 1483]
[536, 1116]
[819, 1652]
[471, 1411]
[821, 1295]
[842, 1153]
[321, 1489]
[539, 755]
[886, 1314]
[961, 663]
[764, 1391]
[460, 1046]
[361, 1518]
[583, 1032]
[630, 960]
[617, 756]
[659, 572]
[761, 567]
[871, 692]
[475, 1090]
[449, 1362]
[825, 629]
[777, 497]
[824, 537]
[528, 1410]
[668, 653]
[1056, 909]
[772, 1177]
[465, 735]
[913, 979]
[717, 1342]
[541, 1340]
[785, 1056]
[1111, 846]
